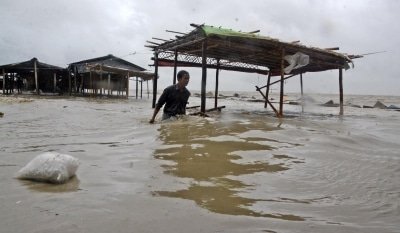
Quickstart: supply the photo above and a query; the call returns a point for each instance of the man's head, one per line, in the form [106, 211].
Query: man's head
[183, 78]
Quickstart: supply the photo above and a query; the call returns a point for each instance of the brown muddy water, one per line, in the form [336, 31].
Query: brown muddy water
[240, 170]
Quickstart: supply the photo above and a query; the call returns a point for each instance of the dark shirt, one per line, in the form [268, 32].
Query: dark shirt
[175, 100]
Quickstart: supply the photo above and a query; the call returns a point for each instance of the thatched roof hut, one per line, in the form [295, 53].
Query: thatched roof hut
[219, 48]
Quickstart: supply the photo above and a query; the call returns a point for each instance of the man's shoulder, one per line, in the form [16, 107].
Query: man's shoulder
[169, 88]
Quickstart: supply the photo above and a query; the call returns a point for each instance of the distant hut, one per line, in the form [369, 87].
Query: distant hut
[32, 76]
[107, 75]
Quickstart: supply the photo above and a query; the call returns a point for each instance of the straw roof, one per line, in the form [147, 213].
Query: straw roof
[242, 51]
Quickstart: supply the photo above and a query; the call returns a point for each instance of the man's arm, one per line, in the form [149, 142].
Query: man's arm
[156, 110]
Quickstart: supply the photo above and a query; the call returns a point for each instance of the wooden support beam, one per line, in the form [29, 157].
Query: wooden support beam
[204, 77]
[151, 42]
[155, 79]
[282, 83]
[216, 85]
[155, 38]
[36, 76]
[127, 85]
[267, 90]
[141, 89]
[109, 83]
[266, 99]
[175, 66]
[301, 87]
[4, 82]
[54, 82]
[341, 90]
[137, 86]
[333, 48]
[181, 33]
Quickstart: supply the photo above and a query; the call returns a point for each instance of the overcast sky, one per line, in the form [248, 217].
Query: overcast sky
[62, 32]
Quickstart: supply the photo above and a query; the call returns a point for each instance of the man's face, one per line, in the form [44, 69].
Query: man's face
[184, 80]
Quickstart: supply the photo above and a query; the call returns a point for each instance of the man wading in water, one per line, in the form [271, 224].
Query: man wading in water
[175, 98]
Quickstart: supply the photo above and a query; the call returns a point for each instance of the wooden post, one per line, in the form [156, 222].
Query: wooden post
[75, 86]
[267, 91]
[301, 87]
[282, 83]
[216, 85]
[137, 86]
[155, 79]
[175, 66]
[54, 82]
[148, 92]
[69, 81]
[36, 76]
[127, 85]
[341, 90]
[91, 82]
[101, 81]
[141, 89]
[109, 83]
[4, 82]
[203, 77]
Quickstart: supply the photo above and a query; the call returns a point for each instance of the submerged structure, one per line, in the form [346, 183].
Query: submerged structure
[107, 75]
[33, 76]
[219, 48]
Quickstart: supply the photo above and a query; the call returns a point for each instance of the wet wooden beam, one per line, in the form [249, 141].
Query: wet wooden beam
[282, 83]
[155, 38]
[266, 99]
[341, 90]
[333, 48]
[151, 42]
[181, 33]
[155, 80]
[175, 66]
[203, 77]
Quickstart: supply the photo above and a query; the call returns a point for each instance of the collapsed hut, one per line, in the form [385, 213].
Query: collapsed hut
[219, 48]
[107, 75]
[33, 76]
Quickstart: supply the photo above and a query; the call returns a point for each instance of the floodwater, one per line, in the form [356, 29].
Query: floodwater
[239, 170]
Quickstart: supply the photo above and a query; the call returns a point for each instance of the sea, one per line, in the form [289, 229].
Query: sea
[241, 169]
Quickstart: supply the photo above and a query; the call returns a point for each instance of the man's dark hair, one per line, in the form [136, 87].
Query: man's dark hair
[181, 74]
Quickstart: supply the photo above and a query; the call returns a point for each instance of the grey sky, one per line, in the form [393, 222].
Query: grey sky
[61, 32]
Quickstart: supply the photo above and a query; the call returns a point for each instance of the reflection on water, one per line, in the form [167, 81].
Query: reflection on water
[208, 152]
[71, 185]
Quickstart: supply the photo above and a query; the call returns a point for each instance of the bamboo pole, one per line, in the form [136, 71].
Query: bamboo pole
[69, 81]
[137, 86]
[267, 91]
[282, 83]
[155, 79]
[109, 83]
[141, 89]
[36, 76]
[203, 77]
[4, 81]
[341, 90]
[266, 99]
[75, 86]
[301, 87]
[216, 85]
[148, 92]
[91, 82]
[127, 85]
[175, 66]
[101, 80]
[54, 82]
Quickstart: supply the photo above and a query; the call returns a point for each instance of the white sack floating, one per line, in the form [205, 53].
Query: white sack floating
[50, 167]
